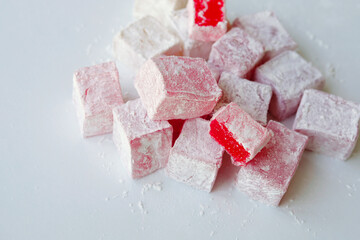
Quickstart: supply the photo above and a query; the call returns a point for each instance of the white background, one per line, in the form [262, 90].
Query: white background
[56, 185]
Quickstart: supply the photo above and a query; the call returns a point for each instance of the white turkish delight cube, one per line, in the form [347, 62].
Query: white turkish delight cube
[195, 158]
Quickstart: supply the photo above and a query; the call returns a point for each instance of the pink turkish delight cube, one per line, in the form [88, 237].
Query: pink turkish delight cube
[266, 28]
[192, 48]
[267, 177]
[252, 97]
[207, 19]
[195, 158]
[96, 90]
[236, 52]
[144, 144]
[144, 39]
[177, 88]
[330, 122]
[240, 135]
[289, 75]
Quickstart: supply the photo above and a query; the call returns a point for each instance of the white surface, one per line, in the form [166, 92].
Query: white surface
[56, 185]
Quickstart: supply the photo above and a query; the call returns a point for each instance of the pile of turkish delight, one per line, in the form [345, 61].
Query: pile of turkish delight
[207, 86]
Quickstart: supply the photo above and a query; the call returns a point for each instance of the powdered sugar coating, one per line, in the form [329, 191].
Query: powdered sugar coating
[177, 88]
[144, 39]
[252, 97]
[236, 52]
[289, 75]
[195, 157]
[159, 9]
[204, 32]
[244, 129]
[144, 144]
[267, 177]
[266, 27]
[331, 123]
[192, 48]
[96, 90]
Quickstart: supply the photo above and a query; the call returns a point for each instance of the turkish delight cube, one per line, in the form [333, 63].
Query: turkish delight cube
[96, 90]
[144, 39]
[266, 28]
[289, 75]
[159, 9]
[240, 135]
[252, 97]
[144, 144]
[267, 177]
[195, 158]
[207, 19]
[236, 52]
[330, 122]
[177, 88]
[192, 48]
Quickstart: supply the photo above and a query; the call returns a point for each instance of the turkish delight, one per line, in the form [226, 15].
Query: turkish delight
[195, 158]
[207, 19]
[252, 97]
[144, 144]
[240, 135]
[330, 122]
[289, 75]
[236, 52]
[177, 88]
[144, 39]
[267, 177]
[96, 90]
[266, 28]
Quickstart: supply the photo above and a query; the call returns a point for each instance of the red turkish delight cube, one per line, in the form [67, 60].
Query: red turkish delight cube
[240, 135]
[207, 19]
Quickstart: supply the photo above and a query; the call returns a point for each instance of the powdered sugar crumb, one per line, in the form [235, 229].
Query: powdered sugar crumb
[154, 186]
[320, 42]
[141, 207]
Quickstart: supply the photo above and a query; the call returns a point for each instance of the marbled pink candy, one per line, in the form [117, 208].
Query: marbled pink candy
[266, 27]
[289, 75]
[267, 177]
[252, 97]
[96, 90]
[207, 22]
[240, 135]
[144, 144]
[195, 158]
[177, 88]
[330, 122]
[236, 52]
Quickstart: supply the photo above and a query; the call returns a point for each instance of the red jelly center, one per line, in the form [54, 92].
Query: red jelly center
[225, 138]
[177, 125]
[208, 12]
